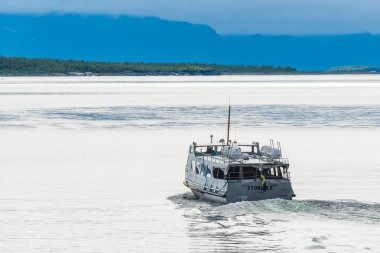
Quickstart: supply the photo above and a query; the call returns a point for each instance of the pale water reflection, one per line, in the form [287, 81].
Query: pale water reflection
[96, 164]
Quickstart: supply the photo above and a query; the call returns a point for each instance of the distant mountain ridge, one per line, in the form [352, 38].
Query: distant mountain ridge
[148, 39]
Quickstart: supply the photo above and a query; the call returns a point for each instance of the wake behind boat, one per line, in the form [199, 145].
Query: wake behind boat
[229, 172]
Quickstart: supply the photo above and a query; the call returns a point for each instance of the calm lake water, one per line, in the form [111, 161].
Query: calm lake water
[96, 164]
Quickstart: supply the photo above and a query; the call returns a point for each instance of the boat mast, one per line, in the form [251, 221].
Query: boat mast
[228, 128]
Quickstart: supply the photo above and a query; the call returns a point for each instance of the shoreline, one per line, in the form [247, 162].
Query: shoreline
[195, 76]
[39, 67]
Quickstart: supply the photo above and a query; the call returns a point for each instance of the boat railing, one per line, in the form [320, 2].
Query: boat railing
[275, 160]
[260, 161]
[215, 159]
[227, 160]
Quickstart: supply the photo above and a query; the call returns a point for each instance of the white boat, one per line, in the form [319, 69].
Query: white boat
[229, 171]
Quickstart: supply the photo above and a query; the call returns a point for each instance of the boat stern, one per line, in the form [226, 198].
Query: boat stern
[253, 190]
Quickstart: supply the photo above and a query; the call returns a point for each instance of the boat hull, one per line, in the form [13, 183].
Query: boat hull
[245, 190]
[251, 190]
[206, 196]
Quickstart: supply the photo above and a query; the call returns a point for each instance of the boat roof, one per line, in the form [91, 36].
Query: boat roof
[252, 160]
[213, 144]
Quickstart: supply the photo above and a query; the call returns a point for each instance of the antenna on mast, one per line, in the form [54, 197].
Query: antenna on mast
[229, 122]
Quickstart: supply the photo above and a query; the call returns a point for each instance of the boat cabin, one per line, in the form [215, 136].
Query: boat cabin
[235, 162]
[219, 149]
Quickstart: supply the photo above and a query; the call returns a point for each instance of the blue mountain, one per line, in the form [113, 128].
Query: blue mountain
[148, 39]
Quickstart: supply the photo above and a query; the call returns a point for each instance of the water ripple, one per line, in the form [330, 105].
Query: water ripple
[157, 117]
[349, 210]
[251, 226]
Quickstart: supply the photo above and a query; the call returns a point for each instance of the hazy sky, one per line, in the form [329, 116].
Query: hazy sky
[230, 16]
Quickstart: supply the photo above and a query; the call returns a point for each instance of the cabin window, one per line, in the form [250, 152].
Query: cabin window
[197, 151]
[284, 171]
[218, 173]
[246, 149]
[268, 172]
[206, 150]
[234, 172]
[274, 172]
[249, 149]
[249, 172]
[243, 172]
[191, 149]
[279, 172]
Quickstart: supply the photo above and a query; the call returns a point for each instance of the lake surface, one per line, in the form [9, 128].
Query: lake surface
[96, 164]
